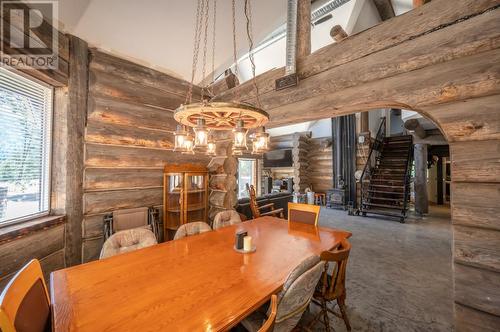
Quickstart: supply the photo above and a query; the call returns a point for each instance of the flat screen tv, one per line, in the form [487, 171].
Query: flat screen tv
[278, 158]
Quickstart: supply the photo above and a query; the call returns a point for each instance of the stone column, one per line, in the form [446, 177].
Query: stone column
[421, 199]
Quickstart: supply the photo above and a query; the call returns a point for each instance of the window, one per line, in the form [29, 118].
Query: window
[247, 175]
[25, 145]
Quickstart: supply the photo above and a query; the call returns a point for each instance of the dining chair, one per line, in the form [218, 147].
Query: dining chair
[256, 209]
[127, 240]
[226, 218]
[303, 213]
[294, 298]
[192, 228]
[332, 286]
[126, 219]
[268, 325]
[25, 303]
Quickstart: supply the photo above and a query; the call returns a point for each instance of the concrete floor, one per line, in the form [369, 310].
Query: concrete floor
[399, 276]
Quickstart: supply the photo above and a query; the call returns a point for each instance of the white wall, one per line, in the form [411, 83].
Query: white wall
[368, 17]
[319, 128]
[374, 120]
[273, 55]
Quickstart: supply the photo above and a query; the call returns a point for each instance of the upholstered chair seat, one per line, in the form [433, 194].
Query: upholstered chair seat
[192, 228]
[127, 240]
[226, 218]
[293, 299]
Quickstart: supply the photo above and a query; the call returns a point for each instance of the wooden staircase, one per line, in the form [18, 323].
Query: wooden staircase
[386, 185]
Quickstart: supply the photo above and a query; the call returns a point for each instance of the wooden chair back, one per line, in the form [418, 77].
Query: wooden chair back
[335, 287]
[130, 218]
[253, 202]
[268, 208]
[268, 325]
[25, 303]
[126, 219]
[303, 213]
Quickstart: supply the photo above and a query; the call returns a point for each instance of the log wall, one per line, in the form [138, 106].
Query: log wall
[128, 140]
[443, 61]
[320, 168]
[45, 243]
[300, 151]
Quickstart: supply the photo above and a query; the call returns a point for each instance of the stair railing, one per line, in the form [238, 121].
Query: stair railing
[406, 189]
[375, 149]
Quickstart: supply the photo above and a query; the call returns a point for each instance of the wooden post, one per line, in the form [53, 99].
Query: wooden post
[440, 182]
[415, 127]
[76, 120]
[365, 122]
[303, 28]
[338, 33]
[385, 9]
[421, 199]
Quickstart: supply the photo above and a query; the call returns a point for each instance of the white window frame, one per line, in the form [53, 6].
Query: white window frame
[46, 153]
[255, 181]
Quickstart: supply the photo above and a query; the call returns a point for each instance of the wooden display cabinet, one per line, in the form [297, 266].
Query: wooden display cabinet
[185, 196]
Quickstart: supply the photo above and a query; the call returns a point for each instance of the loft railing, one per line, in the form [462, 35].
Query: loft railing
[409, 163]
[375, 149]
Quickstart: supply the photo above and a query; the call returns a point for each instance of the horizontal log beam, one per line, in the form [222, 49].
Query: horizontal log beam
[380, 39]
[479, 75]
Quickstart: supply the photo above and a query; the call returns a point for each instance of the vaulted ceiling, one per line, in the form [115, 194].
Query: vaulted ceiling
[159, 34]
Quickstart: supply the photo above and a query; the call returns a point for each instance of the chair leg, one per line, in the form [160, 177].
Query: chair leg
[341, 303]
[326, 320]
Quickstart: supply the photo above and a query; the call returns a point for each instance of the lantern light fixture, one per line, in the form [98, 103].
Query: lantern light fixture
[260, 142]
[208, 114]
[211, 147]
[188, 144]
[240, 137]
[180, 135]
[200, 134]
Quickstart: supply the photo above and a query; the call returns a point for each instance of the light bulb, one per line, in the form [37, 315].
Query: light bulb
[211, 148]
[180, 138]
[240, 136]
[200, 134]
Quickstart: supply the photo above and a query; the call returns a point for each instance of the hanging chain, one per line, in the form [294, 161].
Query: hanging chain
[213, 46]
[196, 47]
[237, 96]
[248, 15]
[205, 39]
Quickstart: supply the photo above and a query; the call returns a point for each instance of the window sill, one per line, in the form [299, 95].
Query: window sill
[13, 232]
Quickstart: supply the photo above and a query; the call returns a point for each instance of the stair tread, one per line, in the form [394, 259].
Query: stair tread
[386, 192]
[383, 212]
[386, 185]
[392, 207]
[389, 182]
[386, 199]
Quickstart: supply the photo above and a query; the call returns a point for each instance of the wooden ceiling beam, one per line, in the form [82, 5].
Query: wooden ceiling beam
[421, 38]
[303, 28]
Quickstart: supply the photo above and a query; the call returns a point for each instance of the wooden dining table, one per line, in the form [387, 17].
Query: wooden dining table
[197, 283]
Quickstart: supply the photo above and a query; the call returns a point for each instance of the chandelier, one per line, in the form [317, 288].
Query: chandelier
[198, 120]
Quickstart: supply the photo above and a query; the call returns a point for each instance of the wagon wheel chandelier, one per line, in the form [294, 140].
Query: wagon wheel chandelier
[205, 116]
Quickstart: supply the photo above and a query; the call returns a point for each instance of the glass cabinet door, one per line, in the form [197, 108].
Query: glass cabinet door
[173, 200]
[195, 197]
